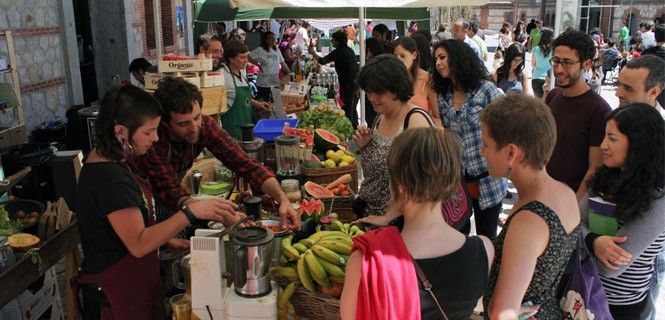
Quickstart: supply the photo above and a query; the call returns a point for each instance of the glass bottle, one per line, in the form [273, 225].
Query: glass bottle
[291, 188]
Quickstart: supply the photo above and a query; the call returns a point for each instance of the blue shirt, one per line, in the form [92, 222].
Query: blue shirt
[466, 124]
[542, 64]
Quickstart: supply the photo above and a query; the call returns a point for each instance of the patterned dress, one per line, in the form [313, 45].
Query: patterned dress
[549, 267]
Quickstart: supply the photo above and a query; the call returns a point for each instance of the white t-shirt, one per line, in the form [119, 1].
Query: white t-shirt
[301, 39]
[228, 81]
[269, 62]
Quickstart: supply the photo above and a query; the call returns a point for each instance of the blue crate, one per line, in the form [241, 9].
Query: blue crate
[268, 129]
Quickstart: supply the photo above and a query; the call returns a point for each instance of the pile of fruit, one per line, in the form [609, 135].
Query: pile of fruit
[339, 158]
[317, 263]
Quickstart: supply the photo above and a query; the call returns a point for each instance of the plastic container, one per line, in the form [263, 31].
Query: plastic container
[268, 129]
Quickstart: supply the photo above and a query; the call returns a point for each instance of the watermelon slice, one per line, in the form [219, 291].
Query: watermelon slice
[317, 191]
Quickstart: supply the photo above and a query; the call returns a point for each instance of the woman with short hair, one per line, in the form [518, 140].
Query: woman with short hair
[535, 244]
[381, 283]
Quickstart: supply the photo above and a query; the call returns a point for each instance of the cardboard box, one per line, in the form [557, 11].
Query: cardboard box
[18, 135]
[5, 138]
[151, 80]
[214, 100]
[192, 78]
[33, 303]
[212, 79]
[192, 65]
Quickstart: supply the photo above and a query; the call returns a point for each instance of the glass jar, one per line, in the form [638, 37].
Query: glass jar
[6, 254]
[291, 188]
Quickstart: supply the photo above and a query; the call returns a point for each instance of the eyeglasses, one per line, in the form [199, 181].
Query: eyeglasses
[565, 62]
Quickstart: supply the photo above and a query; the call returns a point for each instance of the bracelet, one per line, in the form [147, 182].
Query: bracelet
[189, 214]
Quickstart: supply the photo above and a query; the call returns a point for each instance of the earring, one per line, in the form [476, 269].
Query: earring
[127, 148]
[510, 172]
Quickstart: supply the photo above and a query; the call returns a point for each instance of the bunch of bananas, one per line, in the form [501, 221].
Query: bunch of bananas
[316, 262]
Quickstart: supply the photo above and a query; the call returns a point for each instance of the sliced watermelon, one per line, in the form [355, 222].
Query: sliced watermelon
[317, 191]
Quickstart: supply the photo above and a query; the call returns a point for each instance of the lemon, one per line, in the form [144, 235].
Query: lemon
[340, 152]
[336, 157]
[329, 163]
[343, 164]
[323, 163]
[329, 154]
[348, 159]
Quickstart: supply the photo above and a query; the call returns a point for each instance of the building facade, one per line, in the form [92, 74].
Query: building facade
[70, 52]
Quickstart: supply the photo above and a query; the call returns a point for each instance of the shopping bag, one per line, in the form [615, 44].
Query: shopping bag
[581, 293]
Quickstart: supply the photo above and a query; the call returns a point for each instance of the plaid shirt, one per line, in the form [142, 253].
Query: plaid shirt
[466, 124]
[164, 170]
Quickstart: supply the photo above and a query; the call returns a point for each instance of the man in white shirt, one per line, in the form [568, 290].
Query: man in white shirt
[302, 37]
[642, 80]
[460, 32]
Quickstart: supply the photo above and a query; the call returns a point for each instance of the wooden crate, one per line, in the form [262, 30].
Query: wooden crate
[214, 100]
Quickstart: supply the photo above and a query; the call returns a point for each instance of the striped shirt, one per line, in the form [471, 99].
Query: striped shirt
[632, 286]
[645, 240]
[466, 125]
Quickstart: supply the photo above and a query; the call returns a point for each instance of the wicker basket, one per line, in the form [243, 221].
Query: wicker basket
[342, 206]
[315, 306]
[323, 176]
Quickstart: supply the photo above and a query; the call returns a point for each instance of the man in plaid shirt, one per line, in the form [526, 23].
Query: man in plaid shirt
[183, 133]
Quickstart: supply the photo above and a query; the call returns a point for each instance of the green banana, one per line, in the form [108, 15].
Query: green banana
[343, 239]
[331, 269]
[307, 242]
[336, 225]
[290, 252]
[300, 247]
[336, 246]
[303, 274]
[346, 227]
[286, 296]
[317, 236]
[316, 270]
[328, 255]
[354, 230]
[284, 272]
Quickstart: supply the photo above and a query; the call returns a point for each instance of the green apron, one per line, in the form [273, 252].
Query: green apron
[240, 112]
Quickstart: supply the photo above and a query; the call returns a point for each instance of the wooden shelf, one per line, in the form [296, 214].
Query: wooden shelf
[11, 63]
[20, 275]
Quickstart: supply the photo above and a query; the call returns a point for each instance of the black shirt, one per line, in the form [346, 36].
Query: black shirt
[346, 65]
[103, 188]
[458, 280]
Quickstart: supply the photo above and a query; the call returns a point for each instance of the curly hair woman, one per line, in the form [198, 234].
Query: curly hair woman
[625, 214]
[464, 89]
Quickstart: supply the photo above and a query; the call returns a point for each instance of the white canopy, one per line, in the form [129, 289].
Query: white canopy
[353, 3]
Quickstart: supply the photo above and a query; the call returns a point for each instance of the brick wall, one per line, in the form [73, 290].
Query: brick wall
[143, 23]
[39, 48]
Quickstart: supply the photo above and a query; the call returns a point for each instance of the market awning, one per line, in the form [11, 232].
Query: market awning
[221, 10]
[353, 3]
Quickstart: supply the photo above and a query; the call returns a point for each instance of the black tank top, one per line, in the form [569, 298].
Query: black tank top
[458, 280]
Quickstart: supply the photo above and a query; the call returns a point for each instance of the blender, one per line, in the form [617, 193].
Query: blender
[252, 258]
[287, 154]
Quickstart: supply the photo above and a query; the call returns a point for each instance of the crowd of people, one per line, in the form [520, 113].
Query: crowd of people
[445, 136]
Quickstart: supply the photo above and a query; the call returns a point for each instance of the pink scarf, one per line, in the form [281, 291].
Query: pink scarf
[388, 285]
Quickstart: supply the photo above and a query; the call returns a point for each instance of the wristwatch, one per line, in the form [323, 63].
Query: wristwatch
[189, 214]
